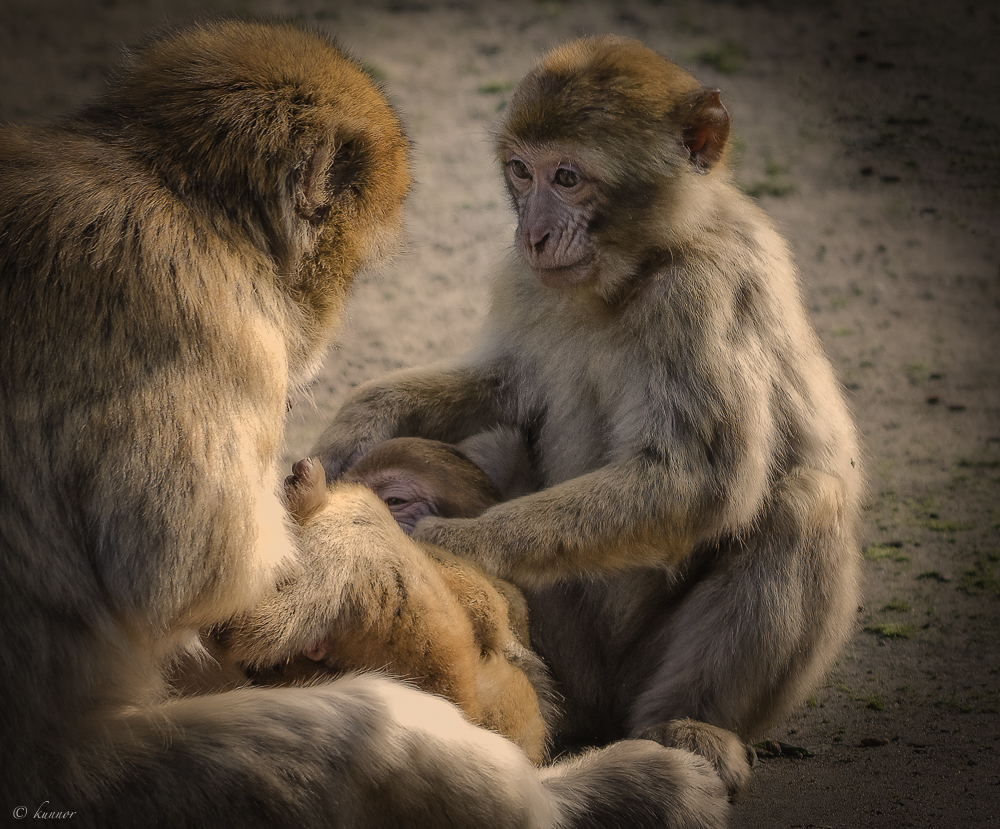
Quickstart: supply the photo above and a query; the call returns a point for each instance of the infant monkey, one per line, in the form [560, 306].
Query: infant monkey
[427, 616]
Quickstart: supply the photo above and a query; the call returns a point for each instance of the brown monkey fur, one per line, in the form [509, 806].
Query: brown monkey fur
[690, 560]
[445, 625]
[173, 260]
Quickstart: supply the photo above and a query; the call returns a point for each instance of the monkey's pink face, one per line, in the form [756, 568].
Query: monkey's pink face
[554, 199]
[407, 495]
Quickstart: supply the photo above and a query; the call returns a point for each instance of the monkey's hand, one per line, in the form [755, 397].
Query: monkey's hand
[375, 412]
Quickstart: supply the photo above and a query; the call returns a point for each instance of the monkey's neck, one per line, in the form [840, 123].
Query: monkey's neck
[628, 290]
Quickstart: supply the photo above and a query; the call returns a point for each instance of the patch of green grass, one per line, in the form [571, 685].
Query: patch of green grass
[892, 630]
[932, 575]
[939, 525]
[979, 464]
[495, 88]
[953, 703]
[727, 59]
[879, 552]
[875, 702]
[983, 578]
[769, 187]
[898, 605]
[916, 372]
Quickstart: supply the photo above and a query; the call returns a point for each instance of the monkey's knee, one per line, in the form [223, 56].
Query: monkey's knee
[305, 489]
[727, 752]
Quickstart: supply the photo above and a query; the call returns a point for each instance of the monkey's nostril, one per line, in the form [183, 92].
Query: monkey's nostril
[539, 246]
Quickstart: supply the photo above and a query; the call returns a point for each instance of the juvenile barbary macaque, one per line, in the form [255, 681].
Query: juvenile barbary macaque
[690, 561]
[173, 260]
[444, 624]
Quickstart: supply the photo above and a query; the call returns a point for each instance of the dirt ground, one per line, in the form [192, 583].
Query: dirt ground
[869, 131]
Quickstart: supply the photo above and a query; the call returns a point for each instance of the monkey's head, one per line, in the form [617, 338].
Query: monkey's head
[605, 147]
[276, 143]
[417, 477]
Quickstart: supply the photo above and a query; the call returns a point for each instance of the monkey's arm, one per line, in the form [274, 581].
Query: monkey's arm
[691, 462]
[630, 514]
[447, 402]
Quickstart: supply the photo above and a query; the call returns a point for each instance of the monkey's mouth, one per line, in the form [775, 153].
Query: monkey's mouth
[564, 276]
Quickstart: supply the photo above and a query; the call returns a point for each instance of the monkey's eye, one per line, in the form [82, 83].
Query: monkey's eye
[395, 502]
[565, 177]
[518, 168]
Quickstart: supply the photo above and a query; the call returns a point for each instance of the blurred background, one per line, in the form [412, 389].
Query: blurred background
[869, 131]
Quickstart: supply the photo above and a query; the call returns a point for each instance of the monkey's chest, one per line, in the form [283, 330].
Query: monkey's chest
[577, 408]
[570, 439]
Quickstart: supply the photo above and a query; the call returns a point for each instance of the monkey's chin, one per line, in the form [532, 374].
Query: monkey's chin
[563, 277]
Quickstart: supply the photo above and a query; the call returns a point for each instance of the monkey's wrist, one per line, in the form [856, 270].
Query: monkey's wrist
[450, 533]
[434, 530]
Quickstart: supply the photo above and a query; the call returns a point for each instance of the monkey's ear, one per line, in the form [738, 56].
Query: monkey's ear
[321, 176]
[705, 124]
[312, 201]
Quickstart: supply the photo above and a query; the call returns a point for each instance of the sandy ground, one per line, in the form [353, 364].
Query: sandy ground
[869, 132]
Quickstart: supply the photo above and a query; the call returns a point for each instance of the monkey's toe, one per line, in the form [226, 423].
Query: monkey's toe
[727, 752]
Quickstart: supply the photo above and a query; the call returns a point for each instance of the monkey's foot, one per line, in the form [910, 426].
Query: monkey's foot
[305, 489]
[727, 752]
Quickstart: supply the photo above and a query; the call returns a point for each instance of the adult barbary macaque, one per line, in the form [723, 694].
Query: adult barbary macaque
[690, 561]
[412, 609]
[173, 261]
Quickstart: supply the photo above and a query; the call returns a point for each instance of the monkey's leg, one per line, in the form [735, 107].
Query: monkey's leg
[720, 657]
[747, 642]
[361, 752]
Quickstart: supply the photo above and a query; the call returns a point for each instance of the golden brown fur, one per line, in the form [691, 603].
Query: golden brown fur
[690, 559]
[172, 262]
[443, 624]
